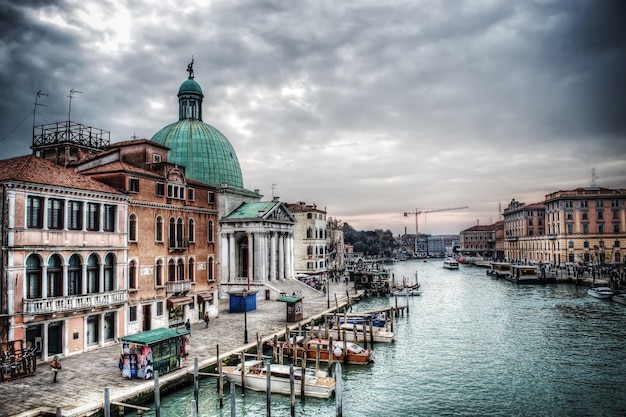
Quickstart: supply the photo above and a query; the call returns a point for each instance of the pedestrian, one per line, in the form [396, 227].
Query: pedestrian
[206, 319]
[55, 365]
[188, 326]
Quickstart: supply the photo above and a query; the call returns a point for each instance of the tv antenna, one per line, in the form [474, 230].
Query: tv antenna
[71, 96]
[39, 94]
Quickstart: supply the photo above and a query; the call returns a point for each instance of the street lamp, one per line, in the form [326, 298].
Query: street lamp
[245, 317]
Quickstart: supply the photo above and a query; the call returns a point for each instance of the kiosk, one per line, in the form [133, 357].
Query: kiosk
[294, 307]
[241, 301]
[153, 350]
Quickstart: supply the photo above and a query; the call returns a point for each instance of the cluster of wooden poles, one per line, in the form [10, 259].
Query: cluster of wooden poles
[278, 356]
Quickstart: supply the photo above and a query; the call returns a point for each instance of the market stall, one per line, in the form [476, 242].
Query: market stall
[159, 350]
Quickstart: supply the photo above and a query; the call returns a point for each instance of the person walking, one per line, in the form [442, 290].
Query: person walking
[56, 365]
[188, 326]
[206, 319]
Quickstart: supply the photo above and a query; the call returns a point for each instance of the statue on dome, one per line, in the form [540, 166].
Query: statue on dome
[190, 68]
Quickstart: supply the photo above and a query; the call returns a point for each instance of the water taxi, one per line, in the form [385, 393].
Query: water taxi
[317, 384]
[600, 292]
[450, 263]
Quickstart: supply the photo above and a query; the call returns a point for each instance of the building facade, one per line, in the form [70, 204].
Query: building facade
[257, 246]
[584, 225]
[309, 239]
[172, 271]
[64, 257]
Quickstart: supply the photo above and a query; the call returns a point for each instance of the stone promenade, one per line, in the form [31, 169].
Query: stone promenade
[79, 390]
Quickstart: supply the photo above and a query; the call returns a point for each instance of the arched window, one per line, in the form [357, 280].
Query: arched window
[132, 275]
[33, 277]
[172, 233]
[180, 234]
[192, 270]
[210, 273]
[158, 273]
[132, 227]
[309, 250]
[210, 232]
[159, 229]
[171, 271]
[93, 275]
[192, 231]
[109, 273]
[75, 276]
[180, 270]
[309, 233]
[55, 277]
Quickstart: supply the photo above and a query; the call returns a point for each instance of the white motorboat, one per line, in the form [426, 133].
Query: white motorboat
[317, 384]
[406, 291]
[450, 263]
[600, 292]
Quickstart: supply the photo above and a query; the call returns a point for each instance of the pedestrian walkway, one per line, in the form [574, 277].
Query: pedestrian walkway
[79, 390]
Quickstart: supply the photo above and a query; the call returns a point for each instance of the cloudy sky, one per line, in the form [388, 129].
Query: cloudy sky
[367, 108]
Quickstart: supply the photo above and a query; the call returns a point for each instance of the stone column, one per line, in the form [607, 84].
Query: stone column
[224, 261]
[250, 256]
[273, 257]
[281, 256]
[232, 257]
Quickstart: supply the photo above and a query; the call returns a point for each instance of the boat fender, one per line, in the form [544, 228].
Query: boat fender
[337, 352]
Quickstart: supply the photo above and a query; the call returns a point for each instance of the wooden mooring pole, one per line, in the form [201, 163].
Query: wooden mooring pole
[157, 395]
[338, 391]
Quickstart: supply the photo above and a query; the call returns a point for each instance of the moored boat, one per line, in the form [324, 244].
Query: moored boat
[450, 263]
[348, 352]
[317, 384]
[600, 292]
[523, 274]
[499, 269]
[410, 291]
[358, 333]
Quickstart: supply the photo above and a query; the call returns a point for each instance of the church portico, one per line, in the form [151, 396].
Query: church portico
[257, 246]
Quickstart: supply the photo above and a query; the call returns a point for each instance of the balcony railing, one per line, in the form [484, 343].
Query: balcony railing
[74, 302]
[178, 286]
[178, 245]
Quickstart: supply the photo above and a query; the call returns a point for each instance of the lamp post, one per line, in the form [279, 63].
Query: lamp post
[245, 317]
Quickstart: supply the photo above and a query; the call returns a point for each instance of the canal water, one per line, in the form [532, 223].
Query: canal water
[471, 346]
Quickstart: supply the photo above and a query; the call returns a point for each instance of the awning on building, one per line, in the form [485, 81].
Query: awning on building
[178, 301]
[205, 296]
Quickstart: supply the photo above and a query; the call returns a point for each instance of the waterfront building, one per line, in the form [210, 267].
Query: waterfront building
[586, 225]
[309, 239]
[257, 238]
[63, 250]
[524, 231]
[573, 226]
[172, 234]
[336, 245]
[480, 240]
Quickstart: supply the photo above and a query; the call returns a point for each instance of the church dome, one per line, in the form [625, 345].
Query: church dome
[204, 151]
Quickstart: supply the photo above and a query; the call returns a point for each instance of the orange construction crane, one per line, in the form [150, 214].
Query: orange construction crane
[418, 212]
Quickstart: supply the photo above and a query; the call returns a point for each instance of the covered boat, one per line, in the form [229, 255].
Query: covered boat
[317, 384]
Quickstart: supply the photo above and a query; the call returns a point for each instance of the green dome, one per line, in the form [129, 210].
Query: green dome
[189, 86]
[203, 150]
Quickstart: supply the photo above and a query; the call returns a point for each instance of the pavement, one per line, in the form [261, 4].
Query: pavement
[79, 390]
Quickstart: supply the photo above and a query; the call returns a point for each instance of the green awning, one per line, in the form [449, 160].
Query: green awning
[290, 299]
[153, 336]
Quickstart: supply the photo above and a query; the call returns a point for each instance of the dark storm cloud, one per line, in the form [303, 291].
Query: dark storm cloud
[460, 102]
